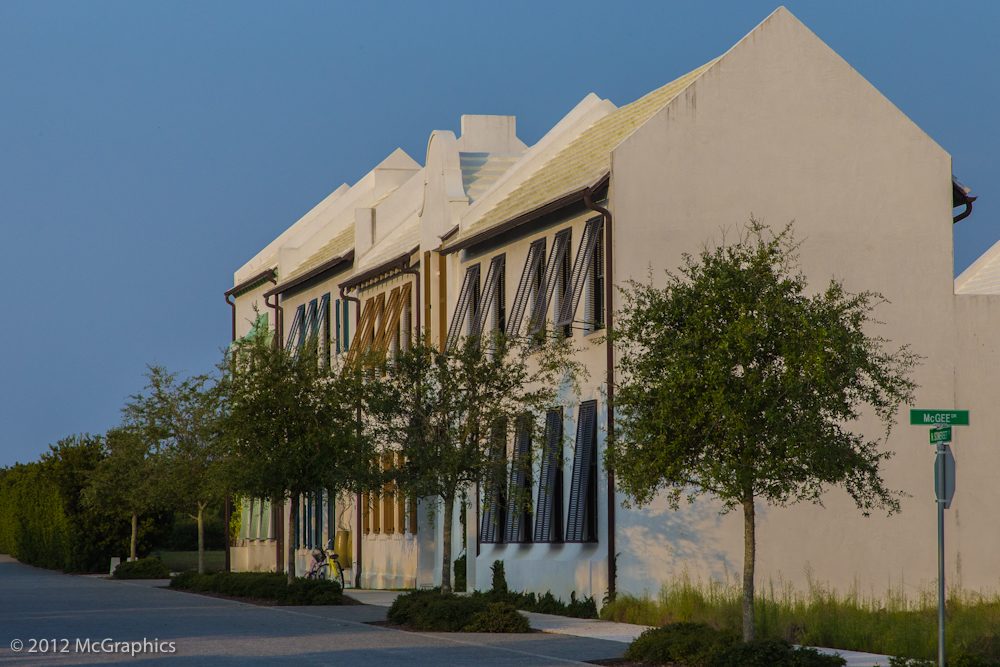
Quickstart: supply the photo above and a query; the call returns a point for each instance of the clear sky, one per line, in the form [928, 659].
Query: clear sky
[149, 149]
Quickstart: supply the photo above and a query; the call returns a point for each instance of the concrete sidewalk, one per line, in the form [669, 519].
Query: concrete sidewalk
[596, 629]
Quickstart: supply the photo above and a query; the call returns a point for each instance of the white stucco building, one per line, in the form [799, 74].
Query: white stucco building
[778, 127]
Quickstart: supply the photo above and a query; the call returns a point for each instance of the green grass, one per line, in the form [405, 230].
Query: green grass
[892, 625]
[181, 561]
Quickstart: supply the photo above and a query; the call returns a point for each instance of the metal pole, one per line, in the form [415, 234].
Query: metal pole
[940, 494]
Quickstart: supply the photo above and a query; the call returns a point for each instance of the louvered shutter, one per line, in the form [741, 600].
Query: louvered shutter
[305, 331]
[581, 267]
[494, 515]
[390, 315]
[320, 326]
[536, 255]
[293, 332]
[548, 511]
[540, 309]
[493, 276]
[518, 518]
[586, 431]
[466, 299]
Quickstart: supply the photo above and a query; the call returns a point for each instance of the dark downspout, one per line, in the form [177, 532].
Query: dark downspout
[968, 210]
[357, 504]
[608, 296]
[279, 316]
[227, 511]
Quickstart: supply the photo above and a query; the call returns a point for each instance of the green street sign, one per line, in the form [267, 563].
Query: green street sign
[935, 417]
[940, 434]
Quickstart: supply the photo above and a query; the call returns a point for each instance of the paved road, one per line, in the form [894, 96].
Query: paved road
[37, 604]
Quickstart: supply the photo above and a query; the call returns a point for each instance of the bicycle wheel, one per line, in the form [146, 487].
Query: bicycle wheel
[323, 572]
[339, 574]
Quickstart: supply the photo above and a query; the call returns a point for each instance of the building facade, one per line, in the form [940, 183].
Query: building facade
[492, 233]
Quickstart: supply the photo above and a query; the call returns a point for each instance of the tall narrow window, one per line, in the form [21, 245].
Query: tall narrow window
[308, 326]
[555, 266]
[319, 333]
[494, 501]
[467, 302]
[526, 287]
[494, 277]
[549, 509]
[293, 332]
[336, 326]
[518, 524]
[388, 496]
[581, 523]
[594, 316]
[583, 268]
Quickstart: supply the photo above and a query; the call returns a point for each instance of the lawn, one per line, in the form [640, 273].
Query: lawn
[180, 561]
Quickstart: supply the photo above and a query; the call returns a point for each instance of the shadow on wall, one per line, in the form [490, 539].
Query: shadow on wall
[657, 543]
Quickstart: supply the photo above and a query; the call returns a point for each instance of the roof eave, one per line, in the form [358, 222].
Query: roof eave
[309, 275]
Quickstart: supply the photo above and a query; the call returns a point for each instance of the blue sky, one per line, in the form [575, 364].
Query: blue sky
[147, 150]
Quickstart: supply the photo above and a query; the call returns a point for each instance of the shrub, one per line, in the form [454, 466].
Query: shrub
[545, 604]
[498, 617]
[499, 578]
[144, 568]
[772, 653]
[460, 572]
[435, 611]
[693, 644]
[263, 585]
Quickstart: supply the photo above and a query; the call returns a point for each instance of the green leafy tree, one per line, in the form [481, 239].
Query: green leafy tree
[455, 411]
[290, 426]
[183, 418]
[130, 477]
[737, 384]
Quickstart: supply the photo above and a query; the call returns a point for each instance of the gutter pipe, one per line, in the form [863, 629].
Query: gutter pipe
[358, 501]
[608, 296]
[279, 316]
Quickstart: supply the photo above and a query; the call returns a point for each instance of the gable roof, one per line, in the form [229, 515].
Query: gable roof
[983, 276]
[581, 163]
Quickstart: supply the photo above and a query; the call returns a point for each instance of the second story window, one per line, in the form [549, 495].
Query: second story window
[527, 287]
[587, 276]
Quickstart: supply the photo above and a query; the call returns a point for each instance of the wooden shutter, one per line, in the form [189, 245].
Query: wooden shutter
[540, 309]
[366, 327]
[493, 277]
[320, 329]
[399, 297]
[536, 255]
[518, 518]
[466, 299]
[581, 482]
[400, 499]
[549, 510]
[254, 516]
[581, 267]
[293, 332]
[305, 332]
[494, 507]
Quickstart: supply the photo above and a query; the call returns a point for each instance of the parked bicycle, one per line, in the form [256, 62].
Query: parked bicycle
[325, 565]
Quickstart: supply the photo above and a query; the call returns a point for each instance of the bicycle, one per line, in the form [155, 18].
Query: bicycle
[324, 564]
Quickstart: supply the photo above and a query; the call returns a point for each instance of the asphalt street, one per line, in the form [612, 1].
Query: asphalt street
[187, 629]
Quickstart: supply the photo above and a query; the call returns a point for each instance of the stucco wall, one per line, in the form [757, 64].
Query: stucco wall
[783, 129]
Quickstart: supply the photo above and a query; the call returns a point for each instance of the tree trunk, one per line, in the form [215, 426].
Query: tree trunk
[201, 539]
[279, 542]
[293, 517]
[749, 555]
[449, 510]
[135, 533]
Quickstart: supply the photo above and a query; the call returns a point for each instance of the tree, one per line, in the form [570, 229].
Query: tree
[130, 477]
[290, 426]
[737, 384]
[183, 418]
[456, 409]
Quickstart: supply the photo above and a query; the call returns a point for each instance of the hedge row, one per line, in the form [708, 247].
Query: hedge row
[43, 523]
[434, 611]
[262, 585]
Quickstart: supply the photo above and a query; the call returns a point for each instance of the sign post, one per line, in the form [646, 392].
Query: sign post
[941, 422]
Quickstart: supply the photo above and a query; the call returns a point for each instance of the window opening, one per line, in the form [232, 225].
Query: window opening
[526, 286]
[549, 509]
[581, 523]
[518, 524]
[539, 311]
[577, 280]
[495, 508]
[494, 276]
[467, 302]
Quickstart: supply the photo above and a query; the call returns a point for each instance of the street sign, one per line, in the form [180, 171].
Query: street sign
[940, 434]
[948, 492]
[933, 417]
